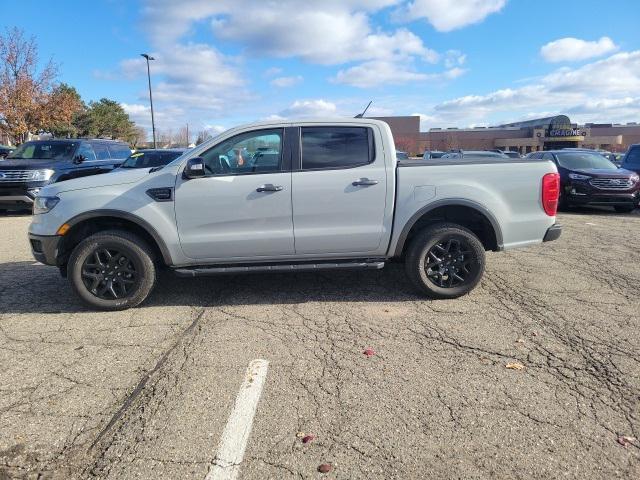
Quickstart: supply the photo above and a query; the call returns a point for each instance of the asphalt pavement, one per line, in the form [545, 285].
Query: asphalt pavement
[534, 375]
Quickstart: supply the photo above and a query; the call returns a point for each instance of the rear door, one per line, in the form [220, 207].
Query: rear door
[241, 209]
[103, 161]
[339, 191]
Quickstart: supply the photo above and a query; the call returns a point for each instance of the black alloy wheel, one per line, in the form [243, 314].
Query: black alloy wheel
[109, 273]
[450, 263]
[112, 270]
[445, 260]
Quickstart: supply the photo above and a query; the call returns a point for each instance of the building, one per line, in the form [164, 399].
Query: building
[524, 137]
[406, 132]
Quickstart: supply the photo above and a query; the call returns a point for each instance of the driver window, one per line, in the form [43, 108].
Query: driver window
[251, 152]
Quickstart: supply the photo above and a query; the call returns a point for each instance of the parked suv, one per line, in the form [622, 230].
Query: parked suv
[631, 160]
[38, 163]
[588, 178]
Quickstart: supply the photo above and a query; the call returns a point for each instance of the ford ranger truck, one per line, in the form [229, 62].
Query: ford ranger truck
[288, 197]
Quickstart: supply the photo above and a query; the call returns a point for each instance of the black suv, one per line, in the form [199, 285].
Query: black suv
[589, 178]
[37, 163]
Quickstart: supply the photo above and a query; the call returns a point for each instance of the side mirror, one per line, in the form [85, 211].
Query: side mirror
[79, 159]
[194, 168]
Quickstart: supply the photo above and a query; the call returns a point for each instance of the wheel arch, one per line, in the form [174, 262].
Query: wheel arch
[95, 221]
[470, 214]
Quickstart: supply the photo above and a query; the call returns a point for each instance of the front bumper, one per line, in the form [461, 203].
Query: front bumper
[19, 195]
[582, 193]
[44, 248]
[553, 233]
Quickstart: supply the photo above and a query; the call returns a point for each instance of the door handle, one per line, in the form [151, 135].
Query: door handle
[364, 182]
[269, 188]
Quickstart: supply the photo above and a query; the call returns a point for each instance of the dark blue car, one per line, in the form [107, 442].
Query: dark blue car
[37, 163]
[588, 178]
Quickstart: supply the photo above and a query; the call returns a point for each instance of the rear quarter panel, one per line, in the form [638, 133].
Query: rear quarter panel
[509, 191]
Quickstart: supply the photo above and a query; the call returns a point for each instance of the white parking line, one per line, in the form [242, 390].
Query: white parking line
[226, 464]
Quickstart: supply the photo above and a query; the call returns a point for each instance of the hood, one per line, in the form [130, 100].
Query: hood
[605, 172]
[116, 177]
[30, 164]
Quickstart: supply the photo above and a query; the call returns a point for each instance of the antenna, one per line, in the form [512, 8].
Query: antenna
[360, 115]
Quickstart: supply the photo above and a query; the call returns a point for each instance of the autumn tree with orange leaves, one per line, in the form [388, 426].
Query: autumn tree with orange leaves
[30, 101]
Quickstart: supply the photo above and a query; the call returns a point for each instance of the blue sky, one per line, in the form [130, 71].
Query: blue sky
[454, 62]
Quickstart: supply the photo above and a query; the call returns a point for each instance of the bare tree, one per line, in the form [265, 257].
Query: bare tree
[180, 138]
[203, 136]
[24, 91]
[139, 136]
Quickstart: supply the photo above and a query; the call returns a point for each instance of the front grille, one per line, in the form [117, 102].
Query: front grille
[611, 183]
[16, 175]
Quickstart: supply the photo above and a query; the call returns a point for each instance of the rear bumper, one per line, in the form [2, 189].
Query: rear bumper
[553, 233]
[44, 248]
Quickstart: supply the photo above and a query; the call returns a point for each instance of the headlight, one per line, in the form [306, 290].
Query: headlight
[577, 176]
[41, 175]
[635, 177]
[44, 204]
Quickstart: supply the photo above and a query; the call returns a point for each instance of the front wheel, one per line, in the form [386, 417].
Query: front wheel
[112, 270]
[624, 208]
[445, 261]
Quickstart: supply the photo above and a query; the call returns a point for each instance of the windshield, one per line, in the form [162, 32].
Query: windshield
[584, 160]
[150, 159]
[44, 151]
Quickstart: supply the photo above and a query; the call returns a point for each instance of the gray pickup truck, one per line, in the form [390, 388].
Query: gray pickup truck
[289, 197]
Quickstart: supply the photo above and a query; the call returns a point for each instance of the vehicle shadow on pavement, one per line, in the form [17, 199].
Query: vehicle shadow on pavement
[605, 211]
[29, 287]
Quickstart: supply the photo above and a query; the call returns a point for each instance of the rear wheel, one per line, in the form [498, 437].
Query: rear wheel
[112, 270]
[445, 261]
[624, 208]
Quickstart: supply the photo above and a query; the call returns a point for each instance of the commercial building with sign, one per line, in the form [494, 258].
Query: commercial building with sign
[524, 137]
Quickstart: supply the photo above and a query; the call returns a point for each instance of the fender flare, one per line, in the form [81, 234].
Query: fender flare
[448, 202]
[146, 226]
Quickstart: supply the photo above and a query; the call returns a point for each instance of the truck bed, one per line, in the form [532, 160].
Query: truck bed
[507, 191]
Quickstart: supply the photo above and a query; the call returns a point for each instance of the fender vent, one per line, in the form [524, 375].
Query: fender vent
[164, 194]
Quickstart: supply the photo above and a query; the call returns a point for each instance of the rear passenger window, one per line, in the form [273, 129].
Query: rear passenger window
[336, 147]
[101, 151]
[119, 151]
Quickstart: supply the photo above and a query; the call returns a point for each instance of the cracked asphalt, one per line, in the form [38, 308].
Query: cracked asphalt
[146, 393]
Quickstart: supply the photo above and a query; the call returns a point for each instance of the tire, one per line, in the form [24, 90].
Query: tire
[624, 208]
[127, 278]
[468, 258]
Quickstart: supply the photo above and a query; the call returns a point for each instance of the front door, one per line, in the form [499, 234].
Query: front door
[339, 192]
[241, 209]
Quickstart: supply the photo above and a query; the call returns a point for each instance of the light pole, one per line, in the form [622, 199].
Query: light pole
[153, 124]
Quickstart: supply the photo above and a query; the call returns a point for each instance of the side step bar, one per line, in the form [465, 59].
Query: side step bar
[279, 268]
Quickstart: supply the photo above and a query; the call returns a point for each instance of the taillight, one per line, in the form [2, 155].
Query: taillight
[550, 193]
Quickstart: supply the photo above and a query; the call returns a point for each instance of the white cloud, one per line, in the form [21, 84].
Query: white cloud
[447, 15]
[604, 90]
[571, 49]
[309, 108]
[376, 73]
[286, 81]
[454, 58]
[272, 71]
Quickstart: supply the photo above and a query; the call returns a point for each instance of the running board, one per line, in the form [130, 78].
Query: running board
[296, 267]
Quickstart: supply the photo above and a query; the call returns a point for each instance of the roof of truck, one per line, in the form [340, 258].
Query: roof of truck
[296, 121]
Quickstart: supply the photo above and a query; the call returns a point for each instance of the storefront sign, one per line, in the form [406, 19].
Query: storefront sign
[565, 132]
